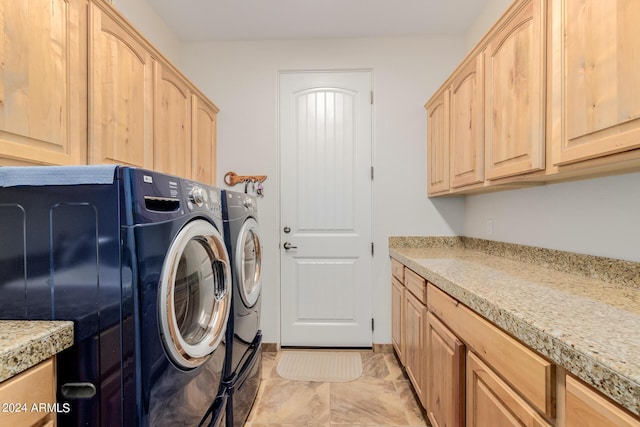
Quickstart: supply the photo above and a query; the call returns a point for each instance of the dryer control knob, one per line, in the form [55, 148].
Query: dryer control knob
[248, 203]
[198, 195]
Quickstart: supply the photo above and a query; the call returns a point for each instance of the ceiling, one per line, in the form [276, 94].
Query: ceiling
[199, 20]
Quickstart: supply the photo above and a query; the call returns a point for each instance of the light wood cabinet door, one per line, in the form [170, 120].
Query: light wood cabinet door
[397, 317]
[203, 142]
[438, 144]
[120, 94]
[414, 343]
[172, 122]
[445, 375]
[34, 386]
[515, 94]
[467, 124]
[43, 82]
[491, 402]
[595, 78]
[587, 408]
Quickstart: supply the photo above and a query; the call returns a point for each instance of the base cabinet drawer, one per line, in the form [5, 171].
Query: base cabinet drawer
[586, 407]
[530, 374]
[491, 402]
[35, 386]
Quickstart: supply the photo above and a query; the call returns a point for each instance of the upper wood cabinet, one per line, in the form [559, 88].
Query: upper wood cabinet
[172, 122]
[596, 90]
[438, 143]
[203, 140]
[561, 99]
[467, 124]
[43, 81]
[515, 93]
[120, 94]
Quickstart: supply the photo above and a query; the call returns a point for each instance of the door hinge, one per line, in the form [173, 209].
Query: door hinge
[372, 249]
[371, 173]
[372, 325]
[371, 97]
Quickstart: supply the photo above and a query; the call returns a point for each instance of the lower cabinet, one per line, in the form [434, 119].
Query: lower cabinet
[415, 321]
[28, 397]
[445, 375]
[409, 324]
[468, 372]
[586, 407]
[491, 402]
[397, 315]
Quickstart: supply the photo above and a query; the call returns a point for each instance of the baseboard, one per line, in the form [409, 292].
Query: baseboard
[383, 348]
[270, 347]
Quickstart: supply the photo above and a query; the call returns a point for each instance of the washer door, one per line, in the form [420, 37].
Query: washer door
[195, 296]
[249, 261]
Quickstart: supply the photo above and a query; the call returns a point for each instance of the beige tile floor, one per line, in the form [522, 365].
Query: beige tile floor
[382, 396]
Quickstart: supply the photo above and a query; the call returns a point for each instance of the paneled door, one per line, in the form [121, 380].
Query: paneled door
[325, 163]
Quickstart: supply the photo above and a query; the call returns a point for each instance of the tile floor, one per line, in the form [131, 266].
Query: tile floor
[382, 396]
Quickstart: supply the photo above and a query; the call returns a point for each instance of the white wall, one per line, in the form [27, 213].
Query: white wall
[149, 23]
[597, 216]
[489, 16]
[241, 78]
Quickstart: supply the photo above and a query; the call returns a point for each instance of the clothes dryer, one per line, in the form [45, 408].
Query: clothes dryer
[244, 338]
[137, 261]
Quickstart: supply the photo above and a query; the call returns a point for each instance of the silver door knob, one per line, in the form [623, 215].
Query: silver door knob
[288, 246]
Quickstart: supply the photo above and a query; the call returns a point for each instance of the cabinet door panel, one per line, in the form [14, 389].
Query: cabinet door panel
[515, 95]
[397, 317]
[587, 408]
[445, 375]
[438, 144]
[596, 68]
[203, 166]
[120, 95]
[415, 312]
[172, 123]
[491, 402]
[467, 125]
[43, 82]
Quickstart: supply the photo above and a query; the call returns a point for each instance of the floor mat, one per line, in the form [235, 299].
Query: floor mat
[321, 366]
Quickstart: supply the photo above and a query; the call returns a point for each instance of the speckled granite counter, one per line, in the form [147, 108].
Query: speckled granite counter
[24, 344]
[581, 312]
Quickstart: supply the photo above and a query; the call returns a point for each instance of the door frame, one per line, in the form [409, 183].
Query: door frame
[279, 154]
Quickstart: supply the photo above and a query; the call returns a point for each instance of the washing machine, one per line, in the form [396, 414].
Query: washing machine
[137, 260]
[244, 338]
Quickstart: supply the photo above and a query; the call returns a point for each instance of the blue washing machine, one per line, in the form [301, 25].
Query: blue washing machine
[244, 338]
[137, 260]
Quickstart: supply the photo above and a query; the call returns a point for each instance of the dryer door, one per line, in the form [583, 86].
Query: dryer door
[249, 262]
[195, 296]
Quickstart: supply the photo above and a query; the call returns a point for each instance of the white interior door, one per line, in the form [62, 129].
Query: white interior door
[325, 160]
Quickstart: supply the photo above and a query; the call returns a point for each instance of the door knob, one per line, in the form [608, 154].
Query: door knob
[288, 246]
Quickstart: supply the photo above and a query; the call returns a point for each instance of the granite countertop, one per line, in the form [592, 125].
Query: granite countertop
[25, 343]
[581, 312]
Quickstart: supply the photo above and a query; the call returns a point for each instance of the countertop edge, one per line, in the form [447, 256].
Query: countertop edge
[34, 346]
[600, 376]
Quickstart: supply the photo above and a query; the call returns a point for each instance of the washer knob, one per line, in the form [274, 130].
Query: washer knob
[248, 203]
[198, 195]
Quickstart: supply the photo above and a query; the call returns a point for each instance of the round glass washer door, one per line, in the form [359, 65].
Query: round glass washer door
[249, 262]
[195, 297]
